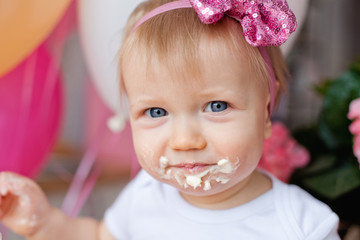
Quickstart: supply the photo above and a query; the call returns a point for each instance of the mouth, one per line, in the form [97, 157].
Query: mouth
[193, 167]
[194, 173]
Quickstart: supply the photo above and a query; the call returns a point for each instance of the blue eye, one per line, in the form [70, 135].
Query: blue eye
[156, 112]
[216, 106]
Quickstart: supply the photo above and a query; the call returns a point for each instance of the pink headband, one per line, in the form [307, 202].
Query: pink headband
[264, 23]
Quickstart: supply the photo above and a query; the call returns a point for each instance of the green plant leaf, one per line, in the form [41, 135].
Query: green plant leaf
[355, 67]
[309, 138]
[320, 165]
[333, 170]
[323, 87]
[333, 123]
[335, 182]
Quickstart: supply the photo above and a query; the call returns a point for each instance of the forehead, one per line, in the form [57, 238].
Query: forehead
[181, 65]
[219, 73]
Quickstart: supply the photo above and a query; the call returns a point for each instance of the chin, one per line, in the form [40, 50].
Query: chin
[203, 190]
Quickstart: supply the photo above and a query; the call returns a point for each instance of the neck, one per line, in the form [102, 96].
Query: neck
[245, 191]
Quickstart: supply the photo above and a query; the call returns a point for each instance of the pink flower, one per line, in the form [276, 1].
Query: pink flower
[354, 109]
[282, 154]
[354, 128]
[356, 147]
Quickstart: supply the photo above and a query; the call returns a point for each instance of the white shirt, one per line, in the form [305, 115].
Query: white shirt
[148, 209]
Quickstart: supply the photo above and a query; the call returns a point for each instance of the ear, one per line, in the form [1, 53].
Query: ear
[267, 123]
[267, 126]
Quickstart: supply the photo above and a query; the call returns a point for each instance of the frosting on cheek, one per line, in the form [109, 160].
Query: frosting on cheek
[164, 162]
[219, 173]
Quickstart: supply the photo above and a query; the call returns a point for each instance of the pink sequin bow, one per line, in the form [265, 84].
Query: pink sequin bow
[264, 22]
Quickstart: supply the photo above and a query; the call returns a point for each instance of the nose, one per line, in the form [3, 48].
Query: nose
[186, 134]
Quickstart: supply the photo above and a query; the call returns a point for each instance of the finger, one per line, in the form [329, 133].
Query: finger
[1, 199]
[3, 188]
[1, 196]
[12, 183]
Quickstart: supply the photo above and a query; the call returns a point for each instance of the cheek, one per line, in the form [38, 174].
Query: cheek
[148, 149]
[239, 140]
[245, 151]
[144, 151]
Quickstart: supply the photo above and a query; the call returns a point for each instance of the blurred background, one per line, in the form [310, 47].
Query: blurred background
[58, 93]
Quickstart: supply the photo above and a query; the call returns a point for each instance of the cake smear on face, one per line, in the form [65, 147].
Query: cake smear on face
[219, 173]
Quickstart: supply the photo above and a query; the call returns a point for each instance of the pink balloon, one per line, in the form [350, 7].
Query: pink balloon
[114, 149]
[30, 113]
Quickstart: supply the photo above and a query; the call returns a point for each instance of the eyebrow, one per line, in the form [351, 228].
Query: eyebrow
[145, 100]
[214, 92]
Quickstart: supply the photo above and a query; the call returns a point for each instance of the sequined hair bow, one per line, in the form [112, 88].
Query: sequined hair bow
[264, 23]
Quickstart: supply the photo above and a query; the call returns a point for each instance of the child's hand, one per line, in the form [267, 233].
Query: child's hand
[23, 205]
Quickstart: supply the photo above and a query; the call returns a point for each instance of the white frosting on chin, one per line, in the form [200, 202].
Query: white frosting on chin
[195, 180]
[218, 173]
[207, 185]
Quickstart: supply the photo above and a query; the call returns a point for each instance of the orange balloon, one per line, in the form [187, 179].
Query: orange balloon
[24, 25]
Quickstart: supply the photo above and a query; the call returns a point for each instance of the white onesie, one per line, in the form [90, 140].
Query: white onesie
[148, 209]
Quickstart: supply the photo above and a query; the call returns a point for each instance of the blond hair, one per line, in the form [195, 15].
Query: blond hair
[173, 38]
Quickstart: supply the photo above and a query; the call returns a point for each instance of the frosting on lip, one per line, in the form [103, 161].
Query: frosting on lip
[195, 175]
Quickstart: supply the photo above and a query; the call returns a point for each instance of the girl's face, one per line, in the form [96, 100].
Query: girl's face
[203, 135]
